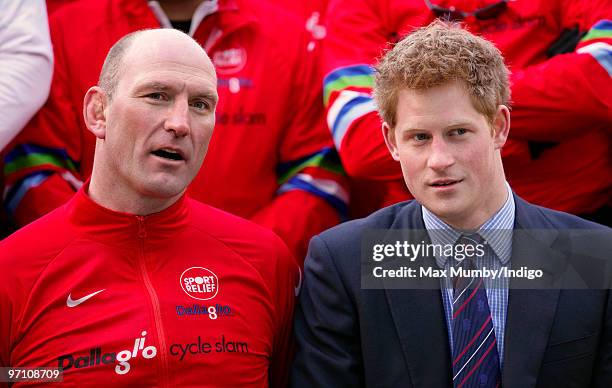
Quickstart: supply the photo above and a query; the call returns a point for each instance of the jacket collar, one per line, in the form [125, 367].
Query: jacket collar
[141, 10]
[109, 226]
[227, 18]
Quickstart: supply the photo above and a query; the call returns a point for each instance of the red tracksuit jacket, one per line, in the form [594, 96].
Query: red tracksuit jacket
[558, 154]
[190, 296]
[270, 159]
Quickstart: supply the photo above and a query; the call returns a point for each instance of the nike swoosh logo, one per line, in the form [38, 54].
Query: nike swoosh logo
[75, 302]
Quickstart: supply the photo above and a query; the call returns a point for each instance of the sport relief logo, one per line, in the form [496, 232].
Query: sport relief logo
[97, 357]
[229, 61]
[200, 283]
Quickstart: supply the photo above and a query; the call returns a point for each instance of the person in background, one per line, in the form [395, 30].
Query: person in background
[558, 154]
[26, 60]
[312, 14]
[133, 282]
[271, 159]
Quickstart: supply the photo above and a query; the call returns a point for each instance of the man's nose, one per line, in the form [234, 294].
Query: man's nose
[178, 120]
[441, 156]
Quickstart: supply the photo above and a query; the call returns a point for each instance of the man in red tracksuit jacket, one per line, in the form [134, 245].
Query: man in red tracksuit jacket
[132, 283]
[558, 155]
[271, 159]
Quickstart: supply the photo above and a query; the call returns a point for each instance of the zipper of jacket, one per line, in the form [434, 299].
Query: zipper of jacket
[142, 235]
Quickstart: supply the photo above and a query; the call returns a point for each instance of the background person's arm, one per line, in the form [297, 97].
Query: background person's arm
[26, 60]
[571, 92]
[295, 216]
[41, 166]
[312, 192]
[357, 34]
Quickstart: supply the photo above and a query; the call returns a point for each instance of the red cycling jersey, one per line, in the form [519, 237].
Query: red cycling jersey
[190, 296]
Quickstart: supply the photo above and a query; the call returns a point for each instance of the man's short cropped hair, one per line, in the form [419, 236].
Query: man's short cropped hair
[109, 76]
[435, 55]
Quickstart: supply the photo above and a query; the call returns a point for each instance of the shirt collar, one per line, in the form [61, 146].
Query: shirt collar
[496, 231]
[206, 8]
[120, 228]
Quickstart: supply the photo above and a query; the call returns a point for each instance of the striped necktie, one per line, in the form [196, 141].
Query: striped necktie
[475, 355]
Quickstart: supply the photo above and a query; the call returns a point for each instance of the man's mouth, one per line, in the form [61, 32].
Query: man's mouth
[445, 182]
[168, 154]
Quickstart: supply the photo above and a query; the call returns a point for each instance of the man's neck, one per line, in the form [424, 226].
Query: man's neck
[126, 200]
[179, 9]
[491, 205]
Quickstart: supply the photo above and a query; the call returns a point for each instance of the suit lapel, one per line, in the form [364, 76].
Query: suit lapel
[531, 311]
[421, 327]
[419, 317]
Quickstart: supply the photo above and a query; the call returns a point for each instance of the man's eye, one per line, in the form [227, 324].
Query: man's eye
[458, 131]
[157, 96]
[420, 137]
[200, 105]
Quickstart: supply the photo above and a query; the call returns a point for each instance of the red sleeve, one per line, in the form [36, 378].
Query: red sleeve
[296, 216]
[288, 280]
[560, 97]
[358, 31]
[41, 168]
[312, 194]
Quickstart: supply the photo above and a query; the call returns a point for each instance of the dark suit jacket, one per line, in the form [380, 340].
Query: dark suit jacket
[353, 337]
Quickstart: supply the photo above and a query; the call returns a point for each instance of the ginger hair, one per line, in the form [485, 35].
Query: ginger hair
[435, 55]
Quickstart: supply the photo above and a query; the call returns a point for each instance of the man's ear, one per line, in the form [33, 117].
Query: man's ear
[501, 126]
[94, 105]
[390, 141]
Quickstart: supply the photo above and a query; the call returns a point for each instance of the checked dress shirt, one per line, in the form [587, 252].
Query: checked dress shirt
[497, 233]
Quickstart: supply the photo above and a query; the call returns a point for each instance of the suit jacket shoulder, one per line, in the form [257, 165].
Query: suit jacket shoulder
[401, 215]
[532, 216]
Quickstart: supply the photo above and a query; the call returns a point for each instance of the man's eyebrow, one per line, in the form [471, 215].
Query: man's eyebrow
[207, 95]
[210, 95]
[459, 124]
[154, 85]
[411, 130]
